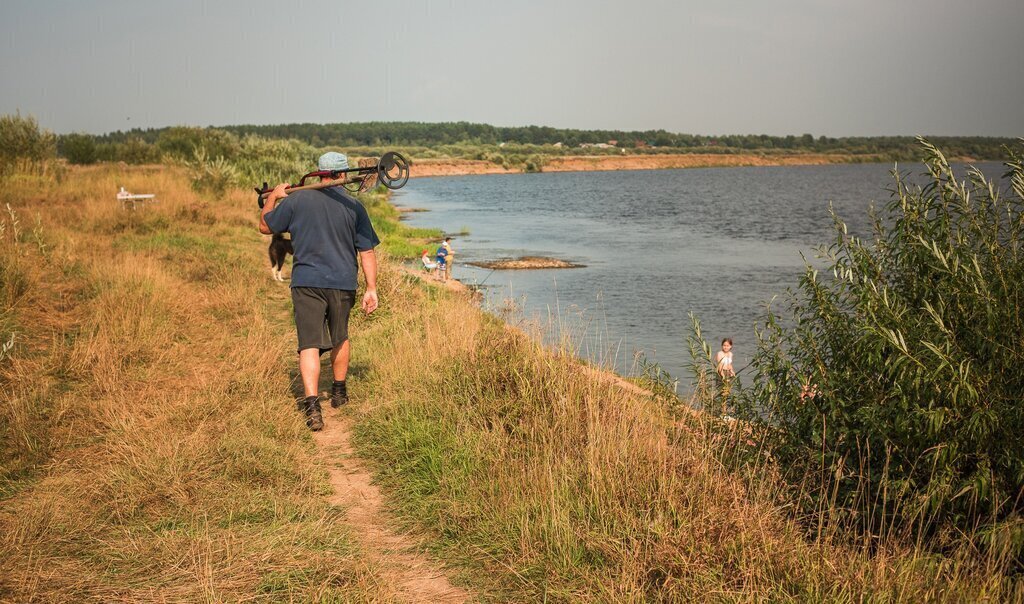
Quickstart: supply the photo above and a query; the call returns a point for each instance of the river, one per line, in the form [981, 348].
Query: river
[657, 244]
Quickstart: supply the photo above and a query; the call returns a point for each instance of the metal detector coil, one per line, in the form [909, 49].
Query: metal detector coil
[393, 170]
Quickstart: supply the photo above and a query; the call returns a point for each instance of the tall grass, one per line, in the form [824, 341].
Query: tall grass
[555, 485]
[151, 451]
[891, 392]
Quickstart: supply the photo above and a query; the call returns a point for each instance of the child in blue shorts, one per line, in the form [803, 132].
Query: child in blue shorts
[442, 262]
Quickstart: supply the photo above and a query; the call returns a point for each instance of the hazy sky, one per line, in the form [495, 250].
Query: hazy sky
[833, 67]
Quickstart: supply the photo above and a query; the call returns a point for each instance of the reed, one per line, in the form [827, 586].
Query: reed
[886, 387]
[552, 483]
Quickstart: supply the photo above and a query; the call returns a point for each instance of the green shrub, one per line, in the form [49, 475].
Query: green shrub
[180, 141]
[211, 175]
[261, 159]
[896, 381]
[78, 148]
[133, 150]
[23, 145]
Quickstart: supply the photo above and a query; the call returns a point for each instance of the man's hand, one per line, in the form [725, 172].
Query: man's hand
[370, 301]
[278, 192]
[369, 262]
[268, 205]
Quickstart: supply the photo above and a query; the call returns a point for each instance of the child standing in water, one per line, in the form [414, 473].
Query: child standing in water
[723, 360]
[723, 365]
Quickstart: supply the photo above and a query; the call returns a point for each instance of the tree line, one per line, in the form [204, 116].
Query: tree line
[422, 134]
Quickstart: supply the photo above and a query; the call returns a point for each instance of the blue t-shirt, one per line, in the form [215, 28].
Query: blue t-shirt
[442, 255]
[328, 229]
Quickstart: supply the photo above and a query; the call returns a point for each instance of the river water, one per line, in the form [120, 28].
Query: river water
[720, 242]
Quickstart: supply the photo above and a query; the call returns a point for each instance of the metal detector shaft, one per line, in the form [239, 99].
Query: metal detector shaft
[324, 184]
[391, 170]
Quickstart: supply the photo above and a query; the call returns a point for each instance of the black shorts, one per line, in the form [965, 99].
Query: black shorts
[321, 316]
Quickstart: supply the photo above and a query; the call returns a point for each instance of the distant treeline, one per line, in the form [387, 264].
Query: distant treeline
[419, 134]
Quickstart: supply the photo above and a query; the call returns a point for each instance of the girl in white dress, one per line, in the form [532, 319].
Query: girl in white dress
[723, 359]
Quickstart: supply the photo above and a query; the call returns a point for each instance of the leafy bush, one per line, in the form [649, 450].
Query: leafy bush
[78, 148]
[23, 145]
[260, 159]
[180, 141]
[897, 379]
[133, 150]
[211, 175]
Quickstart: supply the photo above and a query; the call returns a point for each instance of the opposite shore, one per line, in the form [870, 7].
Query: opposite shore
[582, 163]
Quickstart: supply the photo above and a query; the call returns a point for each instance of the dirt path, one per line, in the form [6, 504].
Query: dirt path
[416, 577]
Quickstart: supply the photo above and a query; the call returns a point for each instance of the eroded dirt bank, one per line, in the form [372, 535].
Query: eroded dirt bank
[457, 167]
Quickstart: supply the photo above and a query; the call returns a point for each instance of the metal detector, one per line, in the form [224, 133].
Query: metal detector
[391, 170]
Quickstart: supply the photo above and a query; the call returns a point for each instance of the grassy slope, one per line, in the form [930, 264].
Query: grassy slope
[149, 450]
[550, 484]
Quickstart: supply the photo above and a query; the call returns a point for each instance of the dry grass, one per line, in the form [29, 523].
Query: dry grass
[554, 485]
[150, 452]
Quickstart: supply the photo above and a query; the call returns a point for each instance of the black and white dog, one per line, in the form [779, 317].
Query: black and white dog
[279, 249]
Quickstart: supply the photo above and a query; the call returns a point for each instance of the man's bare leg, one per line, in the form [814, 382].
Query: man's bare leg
[339, 361]
[309, 368]
[339, 365]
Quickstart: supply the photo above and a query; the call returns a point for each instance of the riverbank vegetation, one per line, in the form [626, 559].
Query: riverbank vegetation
[888, 387]
[151, 450]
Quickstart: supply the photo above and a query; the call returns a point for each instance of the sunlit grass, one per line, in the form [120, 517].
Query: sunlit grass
[150, 448]
[550, 483]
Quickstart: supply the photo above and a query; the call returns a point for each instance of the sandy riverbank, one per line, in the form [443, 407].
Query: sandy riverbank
[458, 167]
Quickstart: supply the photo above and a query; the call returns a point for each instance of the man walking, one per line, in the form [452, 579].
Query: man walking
[329, 230]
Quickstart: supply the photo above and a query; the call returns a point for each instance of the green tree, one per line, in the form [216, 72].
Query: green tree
[22, 140]
[78, 148]
[181, 142]
[135, 150]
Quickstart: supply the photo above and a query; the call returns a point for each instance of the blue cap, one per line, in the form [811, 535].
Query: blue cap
[332, 160]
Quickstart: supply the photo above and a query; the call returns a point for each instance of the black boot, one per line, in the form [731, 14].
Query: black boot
[314, 416]
[339, 394]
